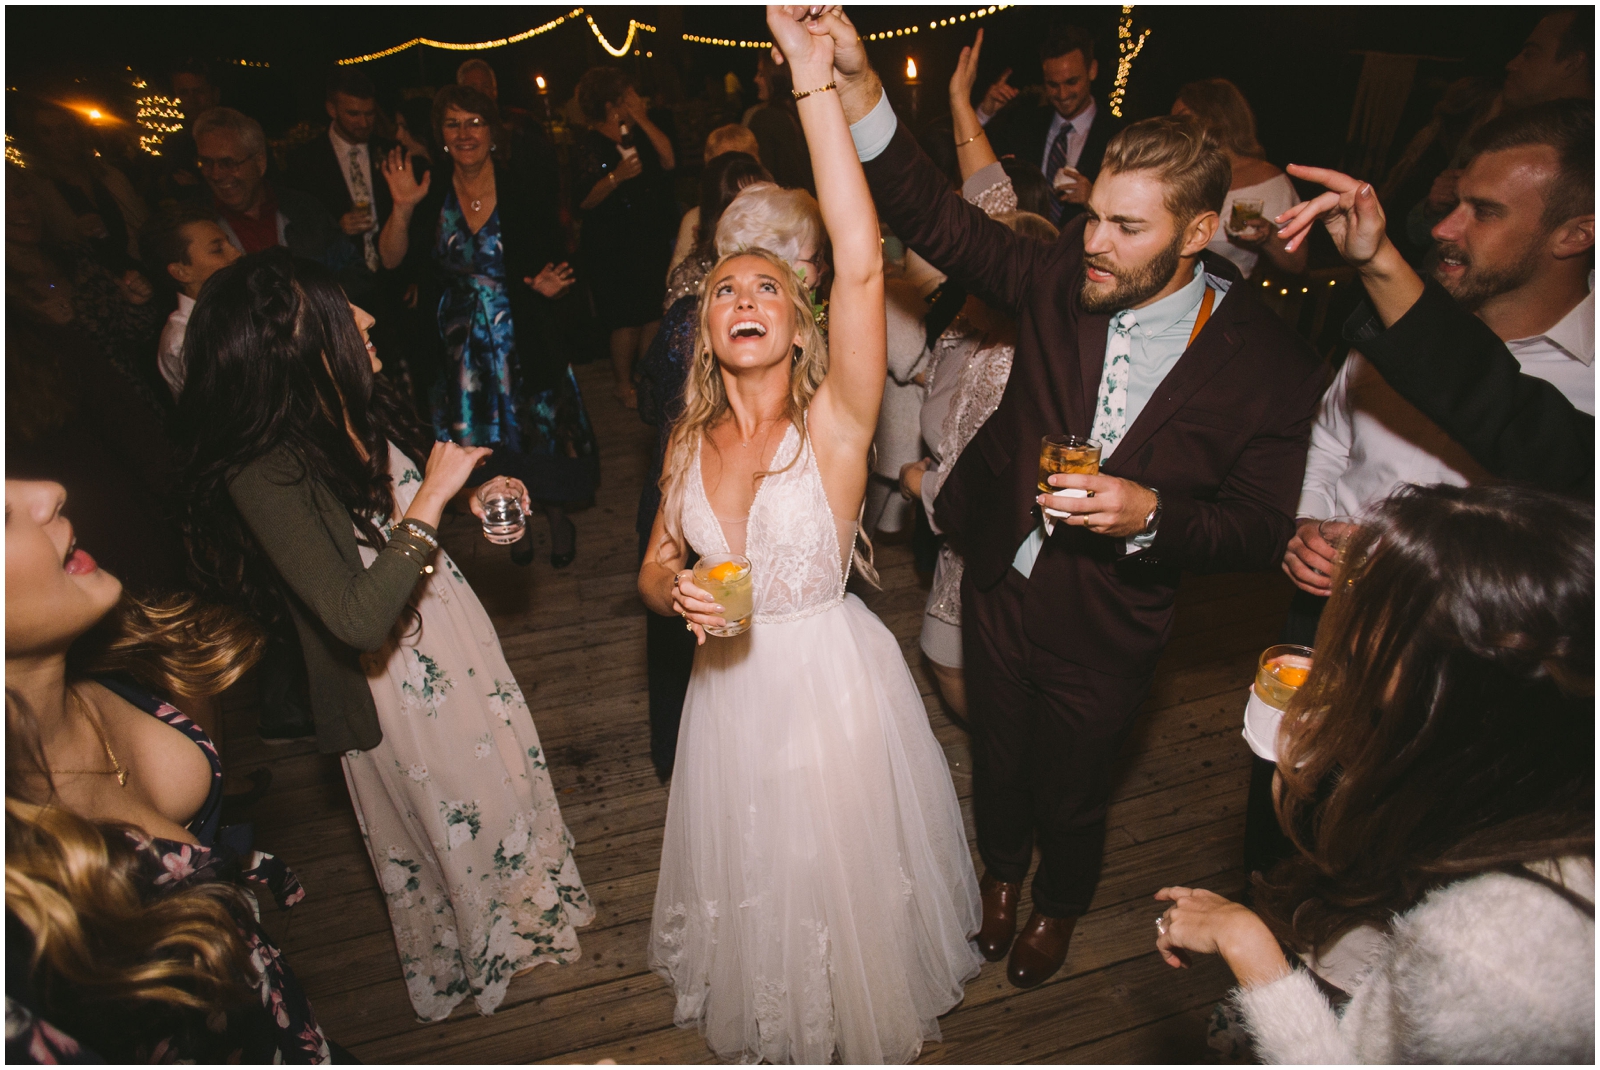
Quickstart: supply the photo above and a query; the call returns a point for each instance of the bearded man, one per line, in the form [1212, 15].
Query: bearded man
[1201, 399]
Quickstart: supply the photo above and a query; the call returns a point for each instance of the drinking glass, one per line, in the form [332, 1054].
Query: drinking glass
[728, 580]
[1246, 215]
[1067, 454]
[1280, 672]
[503, 519]
[1337, 531]
[365, 208]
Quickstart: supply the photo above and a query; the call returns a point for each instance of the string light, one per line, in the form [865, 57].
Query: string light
[634, 26]
[499, 42]
[158, 116]
[725, 42]
[14, 154]
[1128, 50]
[904, 31]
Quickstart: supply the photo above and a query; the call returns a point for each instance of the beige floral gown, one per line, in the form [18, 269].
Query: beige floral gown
[456, 805]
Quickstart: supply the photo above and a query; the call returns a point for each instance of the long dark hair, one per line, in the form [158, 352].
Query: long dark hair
[724, 176]
[275, 361]
[1447, 726]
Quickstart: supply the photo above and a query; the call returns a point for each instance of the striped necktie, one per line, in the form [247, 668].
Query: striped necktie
[1054, 163]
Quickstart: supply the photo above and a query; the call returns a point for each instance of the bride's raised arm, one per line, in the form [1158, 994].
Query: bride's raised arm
[849, 397]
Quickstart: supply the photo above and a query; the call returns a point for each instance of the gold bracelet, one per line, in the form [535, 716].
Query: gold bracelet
[798, 95]
[971, 139]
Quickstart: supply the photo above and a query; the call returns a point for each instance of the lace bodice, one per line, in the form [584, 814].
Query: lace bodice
[792, 538]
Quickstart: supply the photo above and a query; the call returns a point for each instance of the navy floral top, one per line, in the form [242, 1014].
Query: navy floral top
[280, 1029]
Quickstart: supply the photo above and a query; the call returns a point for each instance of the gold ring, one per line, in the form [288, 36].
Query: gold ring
[688, 625]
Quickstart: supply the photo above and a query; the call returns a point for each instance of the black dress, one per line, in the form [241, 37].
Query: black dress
[626, 243]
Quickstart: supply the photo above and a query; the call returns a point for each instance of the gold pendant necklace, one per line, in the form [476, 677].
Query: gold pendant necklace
[116, 769]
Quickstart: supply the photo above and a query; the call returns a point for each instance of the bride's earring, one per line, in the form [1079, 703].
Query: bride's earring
[798, 353]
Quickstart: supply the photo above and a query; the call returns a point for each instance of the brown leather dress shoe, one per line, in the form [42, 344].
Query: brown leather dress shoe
[1000, 900]
[1040, 950]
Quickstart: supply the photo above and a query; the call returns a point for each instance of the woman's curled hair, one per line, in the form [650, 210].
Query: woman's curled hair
[110, 963]
[1447, 726]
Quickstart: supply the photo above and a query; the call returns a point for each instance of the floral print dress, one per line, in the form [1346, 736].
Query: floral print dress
[456, 804]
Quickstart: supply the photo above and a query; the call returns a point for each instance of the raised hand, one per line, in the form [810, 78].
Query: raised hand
[553, 280]
[1001, 93]
[1349, 209]
[795, 44]
[449, 466]
[403, 185]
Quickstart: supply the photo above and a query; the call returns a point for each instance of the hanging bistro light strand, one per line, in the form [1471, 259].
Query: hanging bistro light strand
[1128, 50]
[499, 42]
[884, 35]
[633, 27]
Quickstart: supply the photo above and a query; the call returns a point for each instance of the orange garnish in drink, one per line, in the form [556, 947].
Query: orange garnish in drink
[1293, 675]
[723, 572]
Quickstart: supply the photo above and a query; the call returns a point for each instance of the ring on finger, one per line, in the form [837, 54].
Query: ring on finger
[1161, 925]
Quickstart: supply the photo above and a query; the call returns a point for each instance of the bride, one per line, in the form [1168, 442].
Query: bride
[816, 898]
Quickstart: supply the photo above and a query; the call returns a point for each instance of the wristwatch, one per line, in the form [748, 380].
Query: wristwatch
[1153, 518]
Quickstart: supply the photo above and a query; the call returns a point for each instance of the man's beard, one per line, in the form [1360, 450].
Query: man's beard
[1133, 286]
[1479, 282]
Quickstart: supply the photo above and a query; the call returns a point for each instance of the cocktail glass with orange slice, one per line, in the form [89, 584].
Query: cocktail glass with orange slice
[728, 580]
[1280, 672]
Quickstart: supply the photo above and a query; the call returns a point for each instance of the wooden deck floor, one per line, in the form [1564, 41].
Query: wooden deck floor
[575, 639]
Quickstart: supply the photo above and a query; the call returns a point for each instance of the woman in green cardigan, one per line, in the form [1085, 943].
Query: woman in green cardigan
[313, 491]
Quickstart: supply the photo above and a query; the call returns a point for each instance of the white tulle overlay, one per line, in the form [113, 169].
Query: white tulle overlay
[816, 900]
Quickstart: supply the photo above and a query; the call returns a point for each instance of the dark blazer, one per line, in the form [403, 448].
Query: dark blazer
[1022, 129]
[340, 607]
[313, 169]
[1224, 439]
[1459, 374]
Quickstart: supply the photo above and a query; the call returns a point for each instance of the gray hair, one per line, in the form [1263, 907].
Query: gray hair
[476, 65]
[246, 129]
[765, 216]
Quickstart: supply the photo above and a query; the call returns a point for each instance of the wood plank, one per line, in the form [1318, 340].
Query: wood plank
[574, 639]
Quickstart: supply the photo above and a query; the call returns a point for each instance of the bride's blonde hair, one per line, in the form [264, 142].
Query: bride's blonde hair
[705, 398]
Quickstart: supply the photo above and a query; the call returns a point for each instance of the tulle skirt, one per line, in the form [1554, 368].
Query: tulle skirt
[816, 898]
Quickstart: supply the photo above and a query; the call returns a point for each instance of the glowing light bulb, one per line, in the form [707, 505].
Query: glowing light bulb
[94, 113]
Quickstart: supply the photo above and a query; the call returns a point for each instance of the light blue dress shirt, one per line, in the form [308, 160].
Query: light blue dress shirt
[1156, 342]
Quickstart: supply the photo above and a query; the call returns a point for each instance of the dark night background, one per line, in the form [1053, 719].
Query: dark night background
[1298, 65]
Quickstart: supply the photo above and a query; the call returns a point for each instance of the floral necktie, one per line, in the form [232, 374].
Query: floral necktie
[1111, 406]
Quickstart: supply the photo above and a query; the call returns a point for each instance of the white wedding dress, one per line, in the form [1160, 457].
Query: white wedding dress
[817, 899]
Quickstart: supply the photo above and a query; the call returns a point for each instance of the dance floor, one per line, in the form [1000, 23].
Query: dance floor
[575, 639]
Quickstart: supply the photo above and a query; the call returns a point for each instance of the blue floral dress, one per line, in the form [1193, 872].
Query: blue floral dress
[280, 1029]
[542, 437]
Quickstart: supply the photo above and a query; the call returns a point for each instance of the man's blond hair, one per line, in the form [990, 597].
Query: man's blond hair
[1191, 167]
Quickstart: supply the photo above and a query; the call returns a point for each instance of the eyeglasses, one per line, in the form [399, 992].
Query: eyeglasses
[451, 126]
[223, 163]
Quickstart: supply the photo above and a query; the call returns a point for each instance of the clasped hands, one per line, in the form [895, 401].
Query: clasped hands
[1115, 507]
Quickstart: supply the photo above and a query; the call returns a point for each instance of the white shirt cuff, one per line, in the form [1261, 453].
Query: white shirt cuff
[983, 117]
[875, 130]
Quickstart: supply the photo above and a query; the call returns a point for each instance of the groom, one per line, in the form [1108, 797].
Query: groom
[1202, 400]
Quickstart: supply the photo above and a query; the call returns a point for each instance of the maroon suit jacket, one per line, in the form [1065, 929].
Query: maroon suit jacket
[1224, 438]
